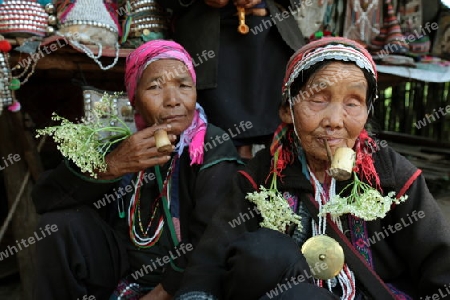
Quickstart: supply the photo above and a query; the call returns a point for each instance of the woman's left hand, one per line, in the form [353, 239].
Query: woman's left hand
[158, 293]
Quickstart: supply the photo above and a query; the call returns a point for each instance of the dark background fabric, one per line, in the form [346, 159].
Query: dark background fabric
[250, 74]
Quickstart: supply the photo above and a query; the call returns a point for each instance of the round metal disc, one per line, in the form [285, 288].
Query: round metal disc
[324, 255]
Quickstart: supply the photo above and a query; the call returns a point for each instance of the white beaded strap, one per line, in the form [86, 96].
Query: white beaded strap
[126, 289]
[90, 54]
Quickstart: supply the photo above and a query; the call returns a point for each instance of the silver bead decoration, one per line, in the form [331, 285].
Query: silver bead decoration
[49, 8]
[52, 20]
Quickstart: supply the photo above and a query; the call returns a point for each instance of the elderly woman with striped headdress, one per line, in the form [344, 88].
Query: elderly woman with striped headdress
[159, 203]
[325, 212]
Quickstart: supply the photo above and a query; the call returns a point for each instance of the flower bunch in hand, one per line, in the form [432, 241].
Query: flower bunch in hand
[274, 209]
[87, 143]
[364, 202]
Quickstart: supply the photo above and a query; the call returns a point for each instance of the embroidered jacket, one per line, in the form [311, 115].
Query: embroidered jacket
[200, 189]
[414, 259]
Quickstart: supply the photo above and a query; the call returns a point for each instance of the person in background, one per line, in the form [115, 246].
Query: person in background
[136, 245]
[239, 75]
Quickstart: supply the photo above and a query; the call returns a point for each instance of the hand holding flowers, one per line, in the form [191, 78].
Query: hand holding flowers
[103, 150]
[86, 143]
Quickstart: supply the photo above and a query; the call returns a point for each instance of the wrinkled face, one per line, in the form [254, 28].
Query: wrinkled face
[332, 106]
[166, 94]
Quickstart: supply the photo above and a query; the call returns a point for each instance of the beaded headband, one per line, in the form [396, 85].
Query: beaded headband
[333, 48]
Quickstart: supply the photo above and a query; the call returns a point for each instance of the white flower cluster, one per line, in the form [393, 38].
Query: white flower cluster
[276, 212]
[368, 206]
[84, 143]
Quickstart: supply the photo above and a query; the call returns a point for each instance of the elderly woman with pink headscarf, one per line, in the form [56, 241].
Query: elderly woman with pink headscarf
[129, 233]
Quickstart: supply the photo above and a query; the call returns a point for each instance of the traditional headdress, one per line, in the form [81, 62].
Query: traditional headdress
[328, 48]
[90, 22]
[338, 49]
[138, 61]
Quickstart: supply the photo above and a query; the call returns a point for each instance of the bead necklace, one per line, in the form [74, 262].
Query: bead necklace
[147, 241]
[346, 278]
[156, 206]
[143, 242]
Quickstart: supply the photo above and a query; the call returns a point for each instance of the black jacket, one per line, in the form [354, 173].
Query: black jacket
[415, 259]
[201, 188]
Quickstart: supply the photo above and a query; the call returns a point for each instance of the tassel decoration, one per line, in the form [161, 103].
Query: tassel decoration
[15, 107]
[364, 161]
[5, 46]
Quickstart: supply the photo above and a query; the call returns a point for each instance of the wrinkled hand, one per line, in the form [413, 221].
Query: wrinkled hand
[158, 293]
[136, 153]
[216, 3]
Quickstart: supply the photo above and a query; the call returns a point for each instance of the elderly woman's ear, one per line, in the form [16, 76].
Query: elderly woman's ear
[285, 114]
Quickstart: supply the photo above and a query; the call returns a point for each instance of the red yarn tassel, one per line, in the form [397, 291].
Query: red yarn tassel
[5, 46]
[364, 161]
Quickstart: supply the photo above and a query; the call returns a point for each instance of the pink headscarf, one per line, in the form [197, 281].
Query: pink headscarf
[136, 63]
[151, 51]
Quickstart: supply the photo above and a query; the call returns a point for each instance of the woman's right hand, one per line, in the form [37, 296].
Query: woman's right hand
[216, 3]
[136, 153]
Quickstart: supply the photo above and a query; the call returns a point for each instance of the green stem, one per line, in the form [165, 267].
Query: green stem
[109, 145]
[112, 129]
[128, 130]
[352, 184]
[113, 138]
[273, 184]
[89, 139]
[122, 132]
[355, 190]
